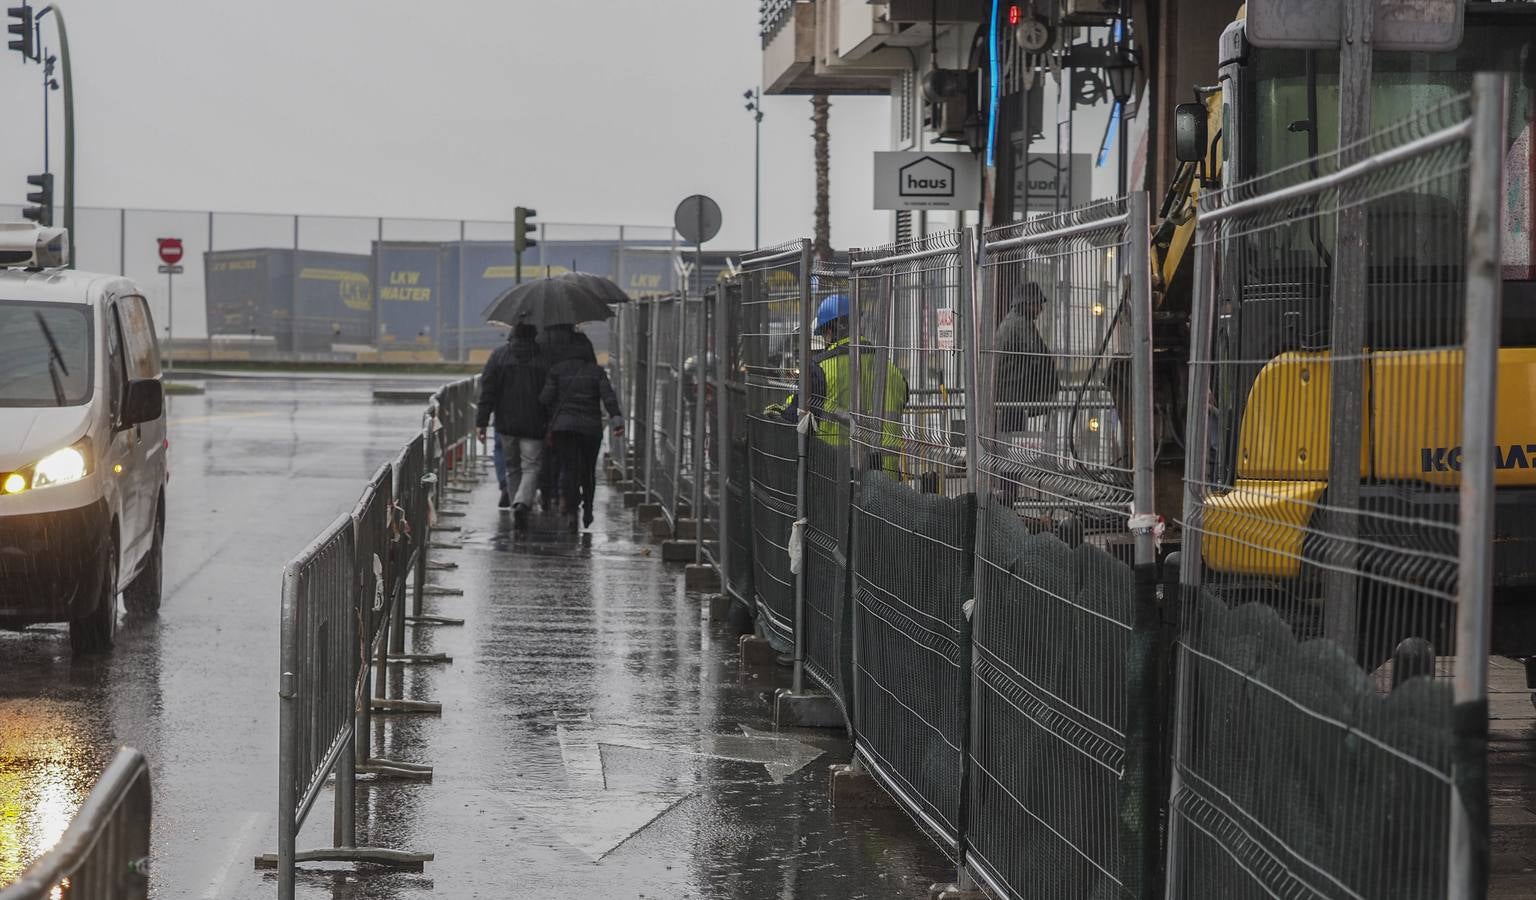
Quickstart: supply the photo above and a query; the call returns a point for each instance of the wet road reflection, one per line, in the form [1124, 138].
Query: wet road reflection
[596, 739]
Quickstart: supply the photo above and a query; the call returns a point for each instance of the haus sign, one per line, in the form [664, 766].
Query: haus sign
[922, 180]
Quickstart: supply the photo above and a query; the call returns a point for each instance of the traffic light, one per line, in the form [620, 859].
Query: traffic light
[21, 31]
[525, 227]
[42, 212]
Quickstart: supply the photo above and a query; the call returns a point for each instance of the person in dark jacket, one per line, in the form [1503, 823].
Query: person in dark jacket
[576, 395]
[558, 343]
[511, 388]
[1026, 371]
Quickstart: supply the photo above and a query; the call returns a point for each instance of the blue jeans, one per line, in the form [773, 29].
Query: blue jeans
[523, 459]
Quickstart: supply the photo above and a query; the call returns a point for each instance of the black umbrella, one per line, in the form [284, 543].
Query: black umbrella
[546, 302]
[605, 289]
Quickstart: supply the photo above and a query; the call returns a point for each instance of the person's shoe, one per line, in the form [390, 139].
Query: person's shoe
[505, 502]
[586, 516]
[520, 517]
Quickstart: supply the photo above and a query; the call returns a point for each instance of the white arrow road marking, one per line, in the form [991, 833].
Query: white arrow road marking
[595, 822]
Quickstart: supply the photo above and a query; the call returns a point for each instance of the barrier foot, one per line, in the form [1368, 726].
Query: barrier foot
[441, 566]
[646, 512]
[438, 545]
[700, 577]
[433, 590]
[447, 527]
[398, 859]
[806, 709]
[756, 652]
[442, 514]
[432, 620]
[429, 707]
[855, 788]
[678, 551]
[633, 499]
[389, 768]
[450, 489]
[413, 658]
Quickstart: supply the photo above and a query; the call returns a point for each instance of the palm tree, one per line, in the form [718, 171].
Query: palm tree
[820, 105]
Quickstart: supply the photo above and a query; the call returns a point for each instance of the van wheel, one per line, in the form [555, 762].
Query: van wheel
[93, 632]
[142, 595]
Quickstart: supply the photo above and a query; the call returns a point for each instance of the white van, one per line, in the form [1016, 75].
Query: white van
[82, 443]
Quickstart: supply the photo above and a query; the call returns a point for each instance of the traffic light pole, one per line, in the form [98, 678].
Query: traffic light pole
[69, 128]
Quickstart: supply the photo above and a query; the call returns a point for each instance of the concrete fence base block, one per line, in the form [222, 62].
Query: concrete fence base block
[720, 606]
[701, 577]
[756, 652]
[633, 499]
[687, 529]
[852, 788]
[660, 530]
[806, 709]
[647, 512]
[677, 551]
[955, 892]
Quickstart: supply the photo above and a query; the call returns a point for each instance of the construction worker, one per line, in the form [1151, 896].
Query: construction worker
[832, 386]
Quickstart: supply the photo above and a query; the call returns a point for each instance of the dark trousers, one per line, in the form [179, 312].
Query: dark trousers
[577, 453]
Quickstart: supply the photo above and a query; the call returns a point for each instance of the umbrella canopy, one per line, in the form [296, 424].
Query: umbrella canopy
[546, 302]
[605, 289]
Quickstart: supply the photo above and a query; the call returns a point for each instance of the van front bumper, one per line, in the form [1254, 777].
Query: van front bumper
[50, 563]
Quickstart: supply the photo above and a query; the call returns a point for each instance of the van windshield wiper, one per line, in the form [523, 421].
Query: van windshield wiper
[56, 362]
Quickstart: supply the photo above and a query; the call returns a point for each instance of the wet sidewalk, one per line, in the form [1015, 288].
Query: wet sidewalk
[599, 739]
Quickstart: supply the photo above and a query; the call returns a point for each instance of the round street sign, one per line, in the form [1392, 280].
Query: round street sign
[697, 219]
[170, 250]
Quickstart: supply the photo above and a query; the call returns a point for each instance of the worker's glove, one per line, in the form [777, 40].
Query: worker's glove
[774, 411]
[617, 424]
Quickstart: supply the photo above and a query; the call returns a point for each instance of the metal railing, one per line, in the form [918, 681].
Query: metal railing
[104, 853]
[343, 624]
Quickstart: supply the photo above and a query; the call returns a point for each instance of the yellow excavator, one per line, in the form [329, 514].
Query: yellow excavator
[1270, 112]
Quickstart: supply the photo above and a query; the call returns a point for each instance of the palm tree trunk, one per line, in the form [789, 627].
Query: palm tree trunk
[823, 232]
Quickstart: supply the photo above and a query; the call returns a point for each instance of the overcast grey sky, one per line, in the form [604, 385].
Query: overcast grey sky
[592, 111]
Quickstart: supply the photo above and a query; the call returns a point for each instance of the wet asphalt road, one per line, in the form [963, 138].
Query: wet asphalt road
[597, 737]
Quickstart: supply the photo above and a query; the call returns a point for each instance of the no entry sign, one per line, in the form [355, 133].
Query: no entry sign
[170, 250]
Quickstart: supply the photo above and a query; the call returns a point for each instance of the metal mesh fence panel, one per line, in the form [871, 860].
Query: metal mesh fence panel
[664, 403]
[707, 460]
[913, 521]
[1316, 746]
[827, 617]
[1062, 799]
[774, 297]
[737, 540]
[690, 316]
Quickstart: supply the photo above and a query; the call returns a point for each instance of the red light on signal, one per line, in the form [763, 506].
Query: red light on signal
[1013, 15]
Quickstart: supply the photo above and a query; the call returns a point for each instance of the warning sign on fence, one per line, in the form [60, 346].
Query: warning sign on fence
[946, 328]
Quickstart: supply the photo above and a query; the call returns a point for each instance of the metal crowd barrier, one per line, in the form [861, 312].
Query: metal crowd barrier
[343, 623]
[104, 853]
[1300, 712]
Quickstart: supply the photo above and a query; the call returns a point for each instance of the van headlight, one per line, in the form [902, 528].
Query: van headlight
[63, 466]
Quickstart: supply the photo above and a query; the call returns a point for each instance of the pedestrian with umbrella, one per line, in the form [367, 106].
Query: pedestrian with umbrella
[577, 390]
[511, 388]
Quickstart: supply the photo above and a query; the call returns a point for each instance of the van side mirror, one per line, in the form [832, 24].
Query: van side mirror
[1189, 137]
[143, 402]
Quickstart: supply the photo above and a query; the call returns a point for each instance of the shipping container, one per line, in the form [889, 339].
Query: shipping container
[249, 294]
[333, 300]
[407, 278]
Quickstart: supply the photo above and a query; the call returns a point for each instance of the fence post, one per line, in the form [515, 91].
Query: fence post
[1469, 831]
[700, 408]
[654, 321]
[679, 304]
[803, 399]
[723, 427]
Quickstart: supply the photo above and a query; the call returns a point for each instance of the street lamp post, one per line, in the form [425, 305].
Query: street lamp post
[754, 98]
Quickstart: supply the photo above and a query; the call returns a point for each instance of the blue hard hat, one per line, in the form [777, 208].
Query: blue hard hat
[834, 307]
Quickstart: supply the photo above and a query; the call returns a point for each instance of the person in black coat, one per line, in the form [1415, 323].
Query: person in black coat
[511, 388]
[576, 395]
[558, 343]
[1025, 380]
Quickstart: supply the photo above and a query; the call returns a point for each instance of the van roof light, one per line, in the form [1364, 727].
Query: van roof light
[25, 245]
